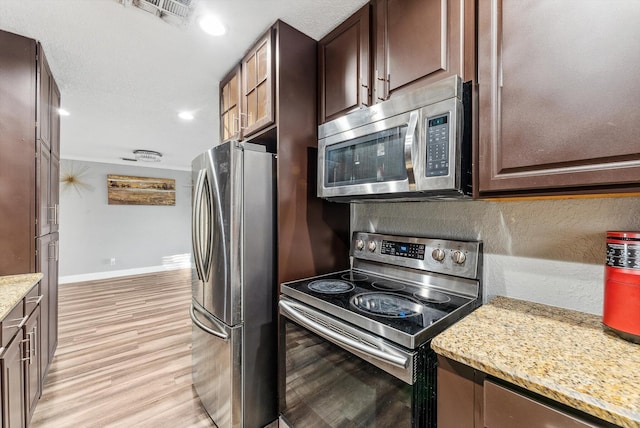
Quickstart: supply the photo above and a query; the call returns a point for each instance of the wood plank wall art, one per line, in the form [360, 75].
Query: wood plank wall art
[128, 190]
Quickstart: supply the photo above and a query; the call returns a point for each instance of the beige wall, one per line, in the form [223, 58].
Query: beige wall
[548, 251]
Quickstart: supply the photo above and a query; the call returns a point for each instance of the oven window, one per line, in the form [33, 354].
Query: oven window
[323, 385]
[373, 158]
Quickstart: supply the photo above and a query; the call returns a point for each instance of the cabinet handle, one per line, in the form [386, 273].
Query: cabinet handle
[52, 215]
[35, 342]
[24, 348]
[55, 214]
[57, 247]
[52, 250]
[235, 124]
[385, 87]
[36, 300]
[22, 322]
[367, 93]
[240, 121]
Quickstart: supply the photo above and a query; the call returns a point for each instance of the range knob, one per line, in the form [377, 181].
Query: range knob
[372, 246]
[458, 257]
[359, 244]
[437, 254]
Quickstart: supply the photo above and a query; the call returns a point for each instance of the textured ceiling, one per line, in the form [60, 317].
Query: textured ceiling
[124, 74]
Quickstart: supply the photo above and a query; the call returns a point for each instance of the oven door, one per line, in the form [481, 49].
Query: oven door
[333, 374]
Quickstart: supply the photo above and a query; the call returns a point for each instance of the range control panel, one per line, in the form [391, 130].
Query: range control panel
[403, 249]
[450, 257]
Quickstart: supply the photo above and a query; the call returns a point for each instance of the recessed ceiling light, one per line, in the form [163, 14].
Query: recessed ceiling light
[211, 24]
[63, 112]
[185, 115]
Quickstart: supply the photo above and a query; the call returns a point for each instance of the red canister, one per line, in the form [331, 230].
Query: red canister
[622, 285]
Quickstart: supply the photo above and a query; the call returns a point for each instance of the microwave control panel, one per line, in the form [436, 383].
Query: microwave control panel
[437, 146]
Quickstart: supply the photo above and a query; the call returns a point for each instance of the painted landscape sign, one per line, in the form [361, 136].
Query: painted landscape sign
[128, 190]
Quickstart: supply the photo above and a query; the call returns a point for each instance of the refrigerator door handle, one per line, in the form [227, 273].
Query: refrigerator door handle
[195, 224]
[221, 333]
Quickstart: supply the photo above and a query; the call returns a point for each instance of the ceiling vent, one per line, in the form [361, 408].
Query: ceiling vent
[176, 11]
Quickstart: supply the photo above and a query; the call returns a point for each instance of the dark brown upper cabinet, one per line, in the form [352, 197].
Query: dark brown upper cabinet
[230, 106]
[18, 99]
[55, 119]
[44, 96]
[344, 77]
[257, 86]
[247, 92]
[421, 41]
[558, 97]
[48, 126]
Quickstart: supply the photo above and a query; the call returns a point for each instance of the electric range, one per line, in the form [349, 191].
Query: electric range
[405, 289]
[364, 333]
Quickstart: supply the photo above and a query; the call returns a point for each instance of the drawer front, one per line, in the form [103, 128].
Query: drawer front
[504, 408]
[32, 299]
[12, 323]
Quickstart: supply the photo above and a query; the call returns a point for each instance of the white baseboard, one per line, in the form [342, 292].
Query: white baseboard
[117, 273]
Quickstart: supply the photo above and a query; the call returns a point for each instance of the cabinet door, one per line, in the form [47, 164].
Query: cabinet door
[422, 41]
[257, 86]
[13, 403]
[343, 67]
[43, 189]
[17, 145]
[504, 408]
[558, 97]
[230, 106]
[44, 99]
[46, 250]
[32, 362]
[54, 252]
[55, 119]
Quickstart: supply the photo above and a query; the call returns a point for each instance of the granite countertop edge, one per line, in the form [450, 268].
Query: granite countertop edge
[13, 288]
[448, 344]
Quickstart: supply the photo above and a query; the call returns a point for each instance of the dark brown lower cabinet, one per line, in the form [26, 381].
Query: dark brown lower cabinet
[48, 265]
[21, 375]
[469, 398]
[13, 390]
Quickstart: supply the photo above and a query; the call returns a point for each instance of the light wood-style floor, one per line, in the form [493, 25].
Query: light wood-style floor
[123, 357]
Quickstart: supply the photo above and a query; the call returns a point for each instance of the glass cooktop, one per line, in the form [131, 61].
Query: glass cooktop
[371, 301]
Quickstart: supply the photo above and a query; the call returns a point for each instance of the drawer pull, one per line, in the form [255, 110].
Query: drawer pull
[21, 324]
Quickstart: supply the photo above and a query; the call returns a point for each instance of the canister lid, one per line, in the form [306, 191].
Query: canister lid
[623, 234]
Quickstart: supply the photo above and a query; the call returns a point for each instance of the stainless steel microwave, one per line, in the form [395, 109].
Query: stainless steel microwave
[414, 146]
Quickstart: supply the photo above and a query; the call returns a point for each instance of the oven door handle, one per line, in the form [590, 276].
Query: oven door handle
[409, 149]
[292, 310]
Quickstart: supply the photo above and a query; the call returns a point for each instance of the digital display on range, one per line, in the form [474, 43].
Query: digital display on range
[403, 249]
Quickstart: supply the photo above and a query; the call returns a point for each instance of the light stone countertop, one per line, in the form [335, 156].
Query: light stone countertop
[561, 354]
[13, 288]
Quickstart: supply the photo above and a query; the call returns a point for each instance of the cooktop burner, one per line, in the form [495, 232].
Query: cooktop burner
[431, 296]
[354, 276]
[330, 286]
[387, 305]
[388, 286]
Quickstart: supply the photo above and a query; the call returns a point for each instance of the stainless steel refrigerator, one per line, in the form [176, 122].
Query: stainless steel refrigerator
[234, 284]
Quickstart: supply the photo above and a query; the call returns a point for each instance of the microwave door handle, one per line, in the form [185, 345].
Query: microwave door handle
[408, 149]
[195, 224]
[290, 309]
